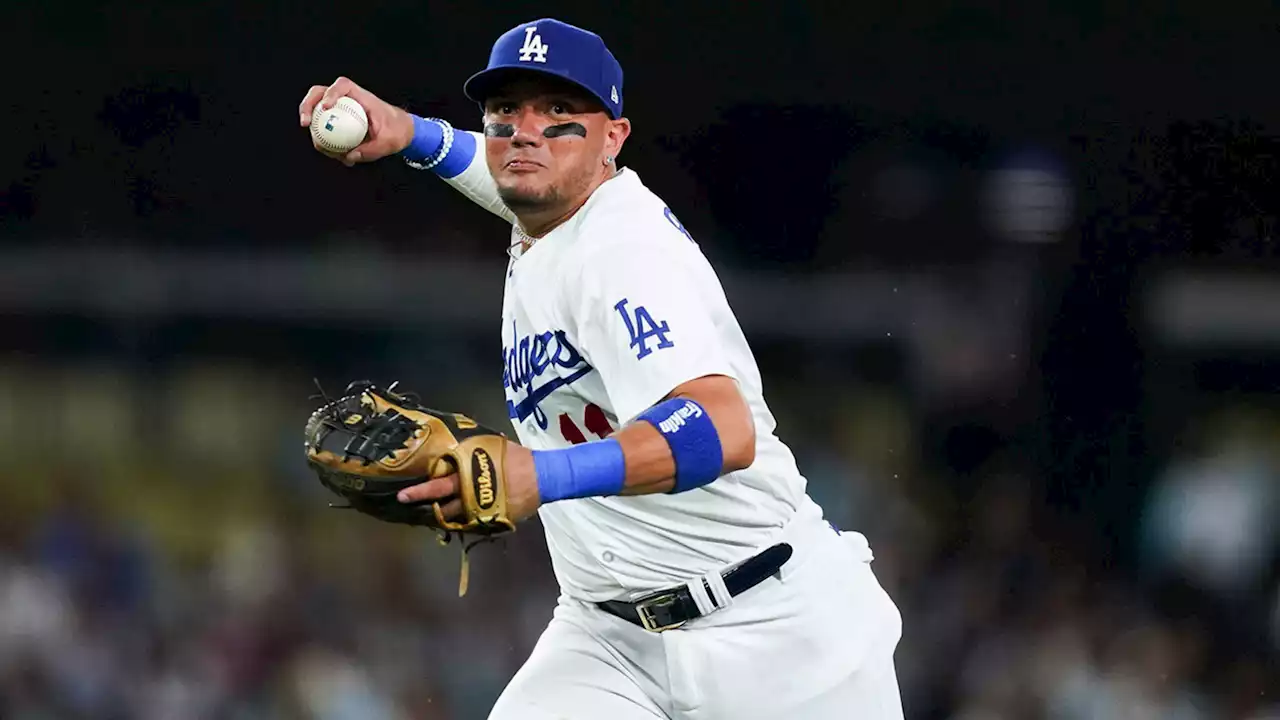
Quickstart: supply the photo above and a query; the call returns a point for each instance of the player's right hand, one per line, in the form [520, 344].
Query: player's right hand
[390, 127]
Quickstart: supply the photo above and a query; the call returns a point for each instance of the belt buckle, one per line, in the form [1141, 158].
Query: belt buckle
[645, 608]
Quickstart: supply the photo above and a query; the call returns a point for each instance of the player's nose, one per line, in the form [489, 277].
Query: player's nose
[528, 127]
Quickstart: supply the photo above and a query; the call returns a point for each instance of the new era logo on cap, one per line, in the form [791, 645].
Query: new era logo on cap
[553, 48]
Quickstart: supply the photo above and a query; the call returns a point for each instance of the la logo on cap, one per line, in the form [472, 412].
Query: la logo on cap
[533, 48]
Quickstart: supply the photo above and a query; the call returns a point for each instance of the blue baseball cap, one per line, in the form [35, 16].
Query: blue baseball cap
[555, 48]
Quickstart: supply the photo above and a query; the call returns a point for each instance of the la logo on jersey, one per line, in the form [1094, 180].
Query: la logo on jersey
[643, 329]
[533, 48]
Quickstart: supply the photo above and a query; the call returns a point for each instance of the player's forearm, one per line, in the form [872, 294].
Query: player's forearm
[650, 460]
[649, 465]
[456, 157]
[700, 433]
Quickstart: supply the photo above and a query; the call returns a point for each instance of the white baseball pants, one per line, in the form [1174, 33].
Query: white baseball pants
[815, 642]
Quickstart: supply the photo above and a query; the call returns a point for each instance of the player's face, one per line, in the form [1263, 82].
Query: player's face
[545, 142]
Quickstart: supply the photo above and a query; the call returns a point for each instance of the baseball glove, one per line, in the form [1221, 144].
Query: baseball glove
[370, 444]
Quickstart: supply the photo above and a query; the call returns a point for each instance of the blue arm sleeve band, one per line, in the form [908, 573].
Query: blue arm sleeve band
[437, 147]
[694, 442]
[590, 469]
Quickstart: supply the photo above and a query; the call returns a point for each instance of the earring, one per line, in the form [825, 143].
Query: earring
[608, 159]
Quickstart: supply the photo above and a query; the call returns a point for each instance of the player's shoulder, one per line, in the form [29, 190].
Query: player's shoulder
[632, 223]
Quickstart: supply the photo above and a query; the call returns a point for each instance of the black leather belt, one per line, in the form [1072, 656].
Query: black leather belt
[673, 607]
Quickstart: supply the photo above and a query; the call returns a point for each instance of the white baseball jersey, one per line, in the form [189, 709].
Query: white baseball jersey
[602, 318]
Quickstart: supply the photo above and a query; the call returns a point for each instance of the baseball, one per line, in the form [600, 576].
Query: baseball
[340, 128]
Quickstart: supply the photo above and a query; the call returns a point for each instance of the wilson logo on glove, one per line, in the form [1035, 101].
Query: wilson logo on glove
[481, 470]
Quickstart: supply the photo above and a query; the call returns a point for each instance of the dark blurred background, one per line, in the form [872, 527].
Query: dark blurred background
[1010, 271]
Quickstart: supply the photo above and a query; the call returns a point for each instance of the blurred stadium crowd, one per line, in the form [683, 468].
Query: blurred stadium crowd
[170, 572]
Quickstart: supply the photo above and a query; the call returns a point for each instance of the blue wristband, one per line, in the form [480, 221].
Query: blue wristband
[428, 138]
[596, 468]
[436, 146]
[692, 437]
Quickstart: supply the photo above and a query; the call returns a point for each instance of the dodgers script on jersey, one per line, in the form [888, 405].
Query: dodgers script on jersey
[602, 318]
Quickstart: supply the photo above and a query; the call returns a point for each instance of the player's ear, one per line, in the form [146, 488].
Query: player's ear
[617, 133]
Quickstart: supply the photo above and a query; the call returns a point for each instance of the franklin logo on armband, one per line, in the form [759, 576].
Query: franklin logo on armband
[677, 419]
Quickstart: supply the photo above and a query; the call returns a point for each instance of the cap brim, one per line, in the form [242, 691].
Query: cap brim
[483, 84]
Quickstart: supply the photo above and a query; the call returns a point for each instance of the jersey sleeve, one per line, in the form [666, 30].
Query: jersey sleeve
[645, 322]
[475, 182]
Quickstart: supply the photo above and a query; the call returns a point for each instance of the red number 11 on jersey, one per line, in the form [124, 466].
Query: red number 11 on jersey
[596, 423]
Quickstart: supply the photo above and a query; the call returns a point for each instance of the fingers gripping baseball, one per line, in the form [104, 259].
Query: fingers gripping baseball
[389, 129]
[308, 104]
[324, 97]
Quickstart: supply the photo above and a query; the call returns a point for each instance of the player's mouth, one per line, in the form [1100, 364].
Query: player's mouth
[519, 166]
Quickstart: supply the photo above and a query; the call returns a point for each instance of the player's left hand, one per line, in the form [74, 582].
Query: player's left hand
[523, 498]
[393, 458]
[372, 443]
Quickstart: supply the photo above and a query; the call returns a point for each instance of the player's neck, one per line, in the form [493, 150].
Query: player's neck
[537, 223]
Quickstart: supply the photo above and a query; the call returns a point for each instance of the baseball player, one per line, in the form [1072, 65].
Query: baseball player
[698, 579]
